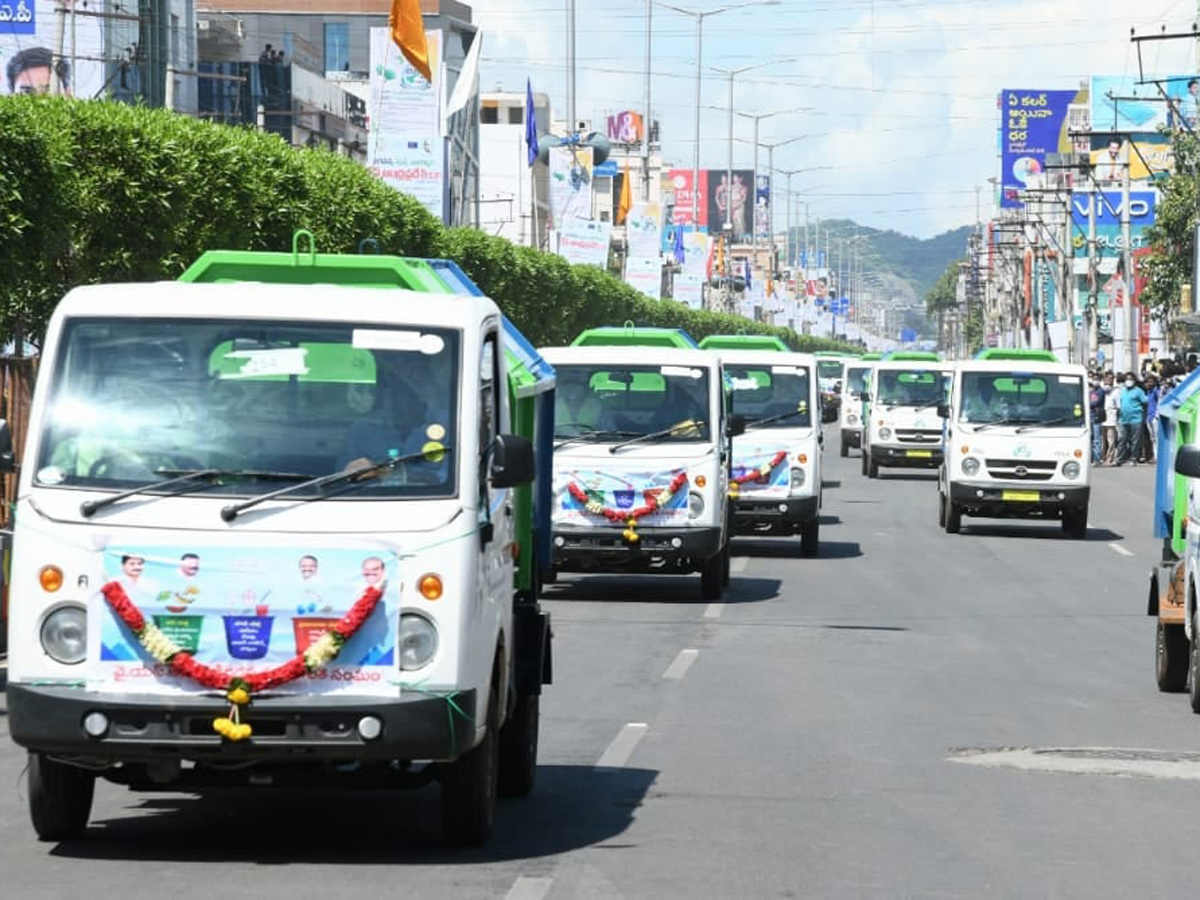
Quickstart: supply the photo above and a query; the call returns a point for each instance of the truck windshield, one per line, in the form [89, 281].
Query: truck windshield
[133, 400]
[1023, 398]
[601, 399]
[763, 392]
[912, 387]
[829, 373]
[857, 379]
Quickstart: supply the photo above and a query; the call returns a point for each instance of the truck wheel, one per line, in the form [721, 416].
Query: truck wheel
[872, 469]
[843, 447]
[953, 521]
[941, 510]
[60, 798]
[549, 576]
[726, 568]
[1171, 658]
[711, 574]
[810, 538]
[1194, 669]
[1075, 523]
[865, 462]
[518, 748]
[469, 786]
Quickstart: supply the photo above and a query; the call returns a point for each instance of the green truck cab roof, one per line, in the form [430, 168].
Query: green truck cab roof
[744, 342]
[912, 356]
[629, 335]
[1017, 354]
[871, 357]
[831, 354]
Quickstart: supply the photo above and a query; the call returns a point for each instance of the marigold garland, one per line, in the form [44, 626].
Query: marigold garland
[655, 500]
[737, 481]
[238, 689]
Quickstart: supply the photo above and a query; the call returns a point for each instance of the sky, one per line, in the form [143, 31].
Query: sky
[898, 128]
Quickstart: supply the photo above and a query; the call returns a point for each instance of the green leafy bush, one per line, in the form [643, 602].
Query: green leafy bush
[93, 191]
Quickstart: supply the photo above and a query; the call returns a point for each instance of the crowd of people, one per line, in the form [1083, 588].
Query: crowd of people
[1124, 407]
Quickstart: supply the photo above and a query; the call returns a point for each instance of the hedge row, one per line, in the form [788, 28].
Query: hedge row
[93, 191]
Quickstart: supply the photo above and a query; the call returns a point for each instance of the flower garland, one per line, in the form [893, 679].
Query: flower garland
[239, 688]
[737, 481]
[655, 500]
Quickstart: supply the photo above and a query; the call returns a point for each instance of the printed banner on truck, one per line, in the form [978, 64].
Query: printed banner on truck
[243, 611]
[404, 149]
[585, 494]
[761, 469]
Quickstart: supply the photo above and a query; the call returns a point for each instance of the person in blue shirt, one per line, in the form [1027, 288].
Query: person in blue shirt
[1154, 393]
[1129, 421]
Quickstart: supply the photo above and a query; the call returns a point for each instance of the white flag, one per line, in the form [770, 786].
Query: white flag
[467, 84]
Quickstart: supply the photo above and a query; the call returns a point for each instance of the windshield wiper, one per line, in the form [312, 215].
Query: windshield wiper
[229, 513]
[753, 423]
[592, 434]
[982, 425]
[1061, 420]
[678, 426]
[87, 507]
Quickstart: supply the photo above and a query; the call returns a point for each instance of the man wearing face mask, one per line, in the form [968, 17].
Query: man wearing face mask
[1129, 421]
[1096, 402]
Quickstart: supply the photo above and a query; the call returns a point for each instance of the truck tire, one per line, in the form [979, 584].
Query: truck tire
[712, 577]
[60, 798]
[1171, 658]
[864, 460]
[872, 469]
[469, 786]
[810, 538]
[518, 748]
[1194, 668]
[953, 522]
[1074, 523]
[941, 510]
[843, 447]
[726, 560]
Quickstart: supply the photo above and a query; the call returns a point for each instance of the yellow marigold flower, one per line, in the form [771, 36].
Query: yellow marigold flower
[595, 507]
[239, 696]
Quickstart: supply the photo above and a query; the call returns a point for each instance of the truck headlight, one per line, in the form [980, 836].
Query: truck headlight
[64, 635]
[695, 505]
[1071, 469]
[852, 419]
[797, 478]
[418, 641]
[885, 434]
[970, 466]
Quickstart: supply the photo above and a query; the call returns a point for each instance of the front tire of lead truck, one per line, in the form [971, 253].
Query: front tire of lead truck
[518, 748]
[60, 798]
[712, 577]
[1171, 658]
[1074, 523]
[810, 538]
[469, 786]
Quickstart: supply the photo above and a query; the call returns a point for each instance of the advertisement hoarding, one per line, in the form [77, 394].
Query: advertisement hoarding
[1130, 104]
[405, 145]
[645, 275]
[1032, 124]
[27, 36]
[689, 289]
[728, 203]
[680, 181]
[585, 242]
[643, 230]
[762, 205]
[570, 184]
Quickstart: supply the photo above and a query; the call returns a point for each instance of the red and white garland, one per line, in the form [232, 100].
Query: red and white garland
[239, 688]
[655, 500]
[737, 481]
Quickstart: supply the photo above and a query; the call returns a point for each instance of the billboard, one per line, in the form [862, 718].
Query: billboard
[1147, 161]
[585, 242]
[1142, 206]
[405, 146]
[1033, 123]
[680, 181]
[626, 127]
[1119, 103]
[762, 205]
[27, 36]
[570, 184]
[727, 202]
[645, 275]
[643, 230]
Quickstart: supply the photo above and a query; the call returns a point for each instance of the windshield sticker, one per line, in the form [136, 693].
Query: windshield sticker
[432, 344]
[435, 432]
[1068, 379]
[434, 451]
[380, 339]
[1078, 410]
[787, 370]
[50, 475]
[275, 361]
[745, 384]
[681, 371]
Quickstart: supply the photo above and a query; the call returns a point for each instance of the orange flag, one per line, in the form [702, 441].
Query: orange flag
[408, 33]
[626, 197]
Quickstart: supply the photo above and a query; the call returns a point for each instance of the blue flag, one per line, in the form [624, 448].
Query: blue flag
[531, 140]
[680, 253]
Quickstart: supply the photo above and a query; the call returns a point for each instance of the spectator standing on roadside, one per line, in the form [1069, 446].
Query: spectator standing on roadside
[1131, 419]
[1154, 393]
[1096, 402]
[1112, 408]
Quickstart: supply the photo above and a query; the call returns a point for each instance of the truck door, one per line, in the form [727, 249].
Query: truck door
[495, 504]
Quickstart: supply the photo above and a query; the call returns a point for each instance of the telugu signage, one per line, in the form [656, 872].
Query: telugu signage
[1032, 124]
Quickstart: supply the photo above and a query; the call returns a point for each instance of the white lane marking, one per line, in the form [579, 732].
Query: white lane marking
[714, 610]
[527, 887]
[678, 668]
[1121, 549]
[622, 746]
[738, 563]
[1087, 761]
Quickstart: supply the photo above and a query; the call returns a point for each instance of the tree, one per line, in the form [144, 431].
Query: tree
[1171, 238]
[943, 295]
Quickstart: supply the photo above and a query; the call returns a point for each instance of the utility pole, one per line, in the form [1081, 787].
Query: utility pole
[571, 123]
[1093, 304]
[1127, 260]
[646, 115]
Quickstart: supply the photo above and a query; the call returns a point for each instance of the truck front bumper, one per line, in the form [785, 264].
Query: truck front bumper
[303, 729]
[1018, 500]
[655, 550]
[927, 456]
[780, 515]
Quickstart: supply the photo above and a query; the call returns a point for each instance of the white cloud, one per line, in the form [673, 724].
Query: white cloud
[903, 92]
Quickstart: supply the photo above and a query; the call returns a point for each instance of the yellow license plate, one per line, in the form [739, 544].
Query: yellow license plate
[1021, 496]
[923, 454]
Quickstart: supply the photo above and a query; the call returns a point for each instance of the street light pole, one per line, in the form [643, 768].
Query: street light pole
[646, 115]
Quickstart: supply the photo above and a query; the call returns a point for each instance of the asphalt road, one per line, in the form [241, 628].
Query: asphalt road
[911, 714]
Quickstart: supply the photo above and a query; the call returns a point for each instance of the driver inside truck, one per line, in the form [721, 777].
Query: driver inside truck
[391, 426]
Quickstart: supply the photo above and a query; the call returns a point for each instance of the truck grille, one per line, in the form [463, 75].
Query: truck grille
[919, 435]
[1022, 469]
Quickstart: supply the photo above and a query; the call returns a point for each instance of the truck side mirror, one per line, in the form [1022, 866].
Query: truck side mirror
[1187, 460]
[7, 463]
[736, 425]
[512, 461]
[943, 410]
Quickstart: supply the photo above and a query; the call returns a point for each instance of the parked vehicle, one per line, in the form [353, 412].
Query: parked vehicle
[277, 525]
[1018, 441]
